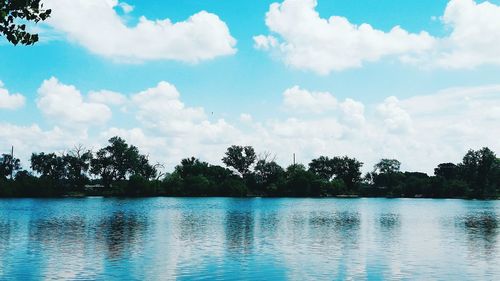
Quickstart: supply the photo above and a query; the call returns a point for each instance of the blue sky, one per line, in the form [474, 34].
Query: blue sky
[243, 78]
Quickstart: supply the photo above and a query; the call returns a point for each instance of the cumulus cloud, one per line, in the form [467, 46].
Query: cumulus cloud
[353, 111]
[246, 118]
[395, 118]
[298, 100]
[107, 97]
[32, 138]
[95, 25]
[302, 100]
[304, 40]
[475, 35]
[160, 108]
[420, 131]
[188, 130]
[64, 104]
[8, 100]
[126, 8]
[307, 41]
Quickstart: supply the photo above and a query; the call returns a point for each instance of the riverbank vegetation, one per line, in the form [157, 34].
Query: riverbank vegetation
[119, 169]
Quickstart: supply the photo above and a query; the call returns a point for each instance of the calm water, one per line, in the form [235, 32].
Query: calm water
[258, 239]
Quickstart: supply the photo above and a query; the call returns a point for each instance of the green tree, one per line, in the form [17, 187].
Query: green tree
[191, 166]
[387, 166]
[322, 167]
[48, 165]
[268, 175]
[301, 182]
[9, 166]
[14, 11]
[118, 161]
[240, 158]
[386, 174]
[77, 163]
[449, 171]
[193, 177]
[478, 169]
[348, 170]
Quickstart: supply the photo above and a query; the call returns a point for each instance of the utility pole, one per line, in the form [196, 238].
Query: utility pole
[12, 163]
[294, 159]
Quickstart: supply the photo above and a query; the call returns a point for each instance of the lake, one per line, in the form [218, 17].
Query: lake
[251, 239]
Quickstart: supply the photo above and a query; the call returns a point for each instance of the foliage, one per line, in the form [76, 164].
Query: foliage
[269, 175]
[479, 170]
[9, 166]
[119, 169]
[240, 158]
[118, 161]
[322, 167]
[387, 166]
[14, 11]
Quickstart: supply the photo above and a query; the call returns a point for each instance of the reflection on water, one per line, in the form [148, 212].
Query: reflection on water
[5, 233]
[482, 232]
[121, 233]
[239, 231]
[278, 239]
[390, 221]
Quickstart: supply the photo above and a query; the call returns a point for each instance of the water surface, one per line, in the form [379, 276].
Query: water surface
[253, 239]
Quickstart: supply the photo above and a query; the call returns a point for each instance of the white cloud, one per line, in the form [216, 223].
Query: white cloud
[475, 35]
[188, 130]
[420, 131]
[395, 118]
[29, 139]
[64, 104]
[95, 25]
[107, 97]
[324, 45]
[265, 42]
[306, 41]
[126, 8]
[8, 100]
[246, 118]
[161, 108]
[300, 100]
[353, 111]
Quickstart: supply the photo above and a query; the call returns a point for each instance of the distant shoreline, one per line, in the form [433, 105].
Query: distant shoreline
[340, 196]
[120, 170]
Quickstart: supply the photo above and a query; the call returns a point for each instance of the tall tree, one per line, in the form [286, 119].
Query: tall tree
[240, 158]
[14, 11]
[348, 170]
[387, 166]
[478, 169]
[48, 165]
[119, 160]
[268, 173]
[386, 174]
[77, 163]
[9, 165]
[449, 171]
[322, 167]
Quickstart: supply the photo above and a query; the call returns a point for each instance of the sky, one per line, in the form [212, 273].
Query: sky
[418, 81]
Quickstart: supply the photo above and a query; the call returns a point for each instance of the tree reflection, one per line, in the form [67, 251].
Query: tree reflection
[62, 234]
[339, 226]
[193, 226]
[268, 224]
[122, 233]
[482, 232]
[5, 233]
[389, 222]
[239, 228]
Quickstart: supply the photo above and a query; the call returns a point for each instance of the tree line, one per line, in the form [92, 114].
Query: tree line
[119, 169]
